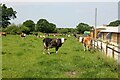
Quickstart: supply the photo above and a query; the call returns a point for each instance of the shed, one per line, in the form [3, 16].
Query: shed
[111, 34]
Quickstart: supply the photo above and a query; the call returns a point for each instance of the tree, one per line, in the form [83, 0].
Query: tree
[83, 27]
[44, 26]
[114, 23]
[7, 14]
[29, 24]
[71, 30]
[62, 30]
[24, 29]
[12, 29]
[52, 27]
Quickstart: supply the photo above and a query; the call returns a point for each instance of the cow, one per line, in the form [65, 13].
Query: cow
[3, 33]
[53, 43]
[87, 42]
[22, 35]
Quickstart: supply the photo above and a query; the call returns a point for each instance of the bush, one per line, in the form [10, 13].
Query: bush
[13, 29]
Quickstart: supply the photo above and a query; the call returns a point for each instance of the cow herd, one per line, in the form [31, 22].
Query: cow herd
[57, 42]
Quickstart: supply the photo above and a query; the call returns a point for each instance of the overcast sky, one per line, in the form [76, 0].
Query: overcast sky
[59, 0]
[65, 13]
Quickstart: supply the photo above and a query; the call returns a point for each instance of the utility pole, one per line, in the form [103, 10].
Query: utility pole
[95, 23]
[118, 30]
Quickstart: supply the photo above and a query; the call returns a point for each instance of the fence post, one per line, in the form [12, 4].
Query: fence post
[101, 46]
[97, 44]
[113, 52]
[106, 48]
[94, 44]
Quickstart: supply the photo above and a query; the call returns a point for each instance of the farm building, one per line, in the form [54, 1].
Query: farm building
[109, 34]
[98, 29]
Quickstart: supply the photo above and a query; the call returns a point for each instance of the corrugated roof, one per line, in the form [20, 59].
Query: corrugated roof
[111, 29]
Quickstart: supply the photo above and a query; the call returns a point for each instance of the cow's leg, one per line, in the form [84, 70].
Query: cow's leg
[87, 47]
[45, 48]
[48, 51]
[84, 46]
[56, 49]
[90, 47]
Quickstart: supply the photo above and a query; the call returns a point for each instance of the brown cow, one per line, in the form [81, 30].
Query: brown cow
[3, 33]
[87, 42]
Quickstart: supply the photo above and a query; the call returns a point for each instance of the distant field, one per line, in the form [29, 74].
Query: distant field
[25, 59]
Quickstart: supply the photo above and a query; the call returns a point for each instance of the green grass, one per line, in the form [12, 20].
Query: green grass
[25, 59]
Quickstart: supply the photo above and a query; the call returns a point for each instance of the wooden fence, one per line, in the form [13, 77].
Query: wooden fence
[106, 48]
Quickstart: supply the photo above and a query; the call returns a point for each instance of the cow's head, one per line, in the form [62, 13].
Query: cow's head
[63, 40]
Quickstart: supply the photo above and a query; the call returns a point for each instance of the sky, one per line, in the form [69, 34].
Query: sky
[59, 0]
[65, 14]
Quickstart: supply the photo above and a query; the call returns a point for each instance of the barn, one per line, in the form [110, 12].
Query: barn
[111, 35]
[98, 29]
[107, 33]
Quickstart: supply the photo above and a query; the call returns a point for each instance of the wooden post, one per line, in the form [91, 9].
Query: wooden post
[97, 44]
[94, 43]
[95, 23]
[101, 45]
[113, 52]
[106, 48]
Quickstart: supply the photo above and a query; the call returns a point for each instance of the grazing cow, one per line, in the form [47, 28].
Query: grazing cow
[74, 35]
[3, 33]
[36, 34]
[68, 35]
[87, 42]
[40, 36]
[53, 43]
[22, 35]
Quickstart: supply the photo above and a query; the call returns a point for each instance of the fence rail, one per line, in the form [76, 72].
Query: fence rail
[105, 47]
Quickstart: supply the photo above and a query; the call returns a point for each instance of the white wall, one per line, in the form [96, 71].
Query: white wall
[109, 51]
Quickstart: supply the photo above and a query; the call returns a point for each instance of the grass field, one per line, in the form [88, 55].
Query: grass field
[25, 59]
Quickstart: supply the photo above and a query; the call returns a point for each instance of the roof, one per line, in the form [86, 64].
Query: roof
[111, 29]
[86, 32]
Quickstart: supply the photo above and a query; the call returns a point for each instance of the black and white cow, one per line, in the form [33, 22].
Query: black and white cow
[22, 35]
[53, 43]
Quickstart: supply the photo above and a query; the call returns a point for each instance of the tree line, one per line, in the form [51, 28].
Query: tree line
[42, 25]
